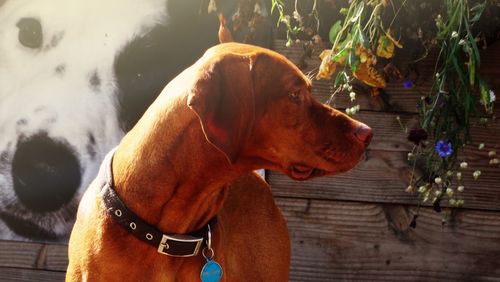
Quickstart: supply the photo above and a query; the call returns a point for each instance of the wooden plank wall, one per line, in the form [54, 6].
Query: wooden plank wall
[354, 227]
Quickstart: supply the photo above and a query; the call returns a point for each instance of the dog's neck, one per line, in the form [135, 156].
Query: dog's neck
[164, 176]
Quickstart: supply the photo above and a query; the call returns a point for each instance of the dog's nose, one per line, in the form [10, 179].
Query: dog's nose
[364, 134]
[45, 172]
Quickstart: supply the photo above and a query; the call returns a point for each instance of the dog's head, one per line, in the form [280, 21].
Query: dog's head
[74, 76]
[255, 104]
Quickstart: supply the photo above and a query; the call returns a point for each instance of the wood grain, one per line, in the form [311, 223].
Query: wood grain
[346, 241]
[394, 98]
[385, 173]
[29, 275]
[354, 227]
[41, 256]
[349, 241]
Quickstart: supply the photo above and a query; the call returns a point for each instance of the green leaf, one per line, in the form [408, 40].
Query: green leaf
[358, 12]
[353, 61]
[484, 92]
[276, 4]
[363, 40]
[477, 11]
[472, 71]
[342, 53]
[334, 30]
[341, 77]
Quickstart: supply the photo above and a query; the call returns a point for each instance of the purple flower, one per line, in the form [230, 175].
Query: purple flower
[443, 148]
[408, 83]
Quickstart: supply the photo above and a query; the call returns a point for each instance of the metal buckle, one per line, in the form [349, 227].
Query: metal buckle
[164, 244]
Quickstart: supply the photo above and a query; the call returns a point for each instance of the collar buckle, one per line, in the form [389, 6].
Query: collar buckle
[179, 245]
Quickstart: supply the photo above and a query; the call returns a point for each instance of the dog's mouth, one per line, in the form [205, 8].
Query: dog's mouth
[304, 172]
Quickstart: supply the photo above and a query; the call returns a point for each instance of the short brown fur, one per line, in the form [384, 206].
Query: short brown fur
[190, 158]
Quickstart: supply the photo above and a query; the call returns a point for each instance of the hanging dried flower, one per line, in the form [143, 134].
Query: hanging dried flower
[417, 135]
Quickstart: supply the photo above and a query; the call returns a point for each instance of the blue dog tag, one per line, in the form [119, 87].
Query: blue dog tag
[211, 272]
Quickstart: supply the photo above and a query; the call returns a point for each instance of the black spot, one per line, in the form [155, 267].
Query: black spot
[40, 109]
[95, 81]
[91, 145]
[60, 69]
[146, 64]
[22, 122]
[56, 39]
[30, 32]
[46, 173]
[150, 61]
[3, 156]
[387, 262]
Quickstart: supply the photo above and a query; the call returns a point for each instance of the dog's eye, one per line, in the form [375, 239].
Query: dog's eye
[295, 96]
[30, 32]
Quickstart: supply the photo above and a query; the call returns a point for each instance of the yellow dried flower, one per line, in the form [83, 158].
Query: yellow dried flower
[370, 76]
[327, 67]
[385, 47]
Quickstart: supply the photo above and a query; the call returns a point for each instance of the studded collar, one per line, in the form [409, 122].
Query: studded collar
[178, 245]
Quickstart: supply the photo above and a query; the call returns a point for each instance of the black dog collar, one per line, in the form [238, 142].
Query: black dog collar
[172, 245]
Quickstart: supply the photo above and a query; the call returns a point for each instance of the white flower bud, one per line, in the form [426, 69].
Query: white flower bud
[464, 165]
[459, 175]
[494, 161]
[422, 189]
[410, 189]
[353, 96]
[438, 180]
[449, 192]
[460, 188]
[481, 146]
[454, 34]
[492, 153]
[476, 174]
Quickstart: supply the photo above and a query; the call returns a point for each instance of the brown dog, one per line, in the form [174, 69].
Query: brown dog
[236, 109]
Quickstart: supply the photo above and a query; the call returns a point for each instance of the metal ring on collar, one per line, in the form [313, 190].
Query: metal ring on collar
[133, 225]
[211, 253]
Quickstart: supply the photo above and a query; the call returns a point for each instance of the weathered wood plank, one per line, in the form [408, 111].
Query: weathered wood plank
[388, 134]
[384, 174]
[28, 275]
[395, 97]
[345, 241]
[53, 257]
[339, 241]
[383, 177]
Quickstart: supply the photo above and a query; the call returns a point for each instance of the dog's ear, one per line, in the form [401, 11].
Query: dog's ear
[223, 99]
